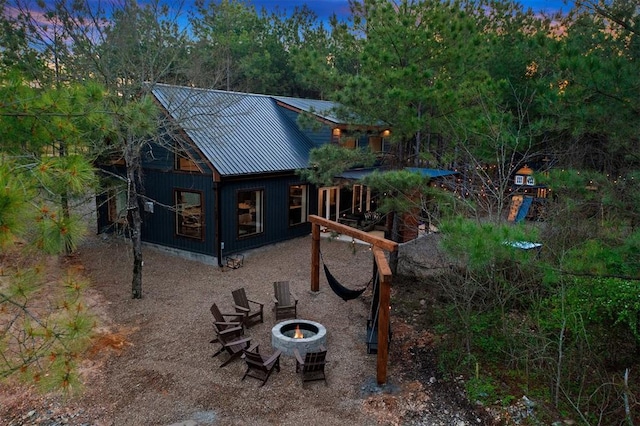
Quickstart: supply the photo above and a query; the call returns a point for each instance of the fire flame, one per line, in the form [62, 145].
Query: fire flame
[298, 334]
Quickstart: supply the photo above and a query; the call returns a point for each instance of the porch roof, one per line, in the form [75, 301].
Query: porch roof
[358, 174]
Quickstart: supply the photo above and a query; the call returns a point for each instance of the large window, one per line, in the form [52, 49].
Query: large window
[250, 212]
[298, 205]
[189, 214]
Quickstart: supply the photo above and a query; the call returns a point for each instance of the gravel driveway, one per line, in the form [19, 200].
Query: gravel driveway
[152, 360]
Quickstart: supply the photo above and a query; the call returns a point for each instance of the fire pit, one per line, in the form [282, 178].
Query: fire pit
[304, 335]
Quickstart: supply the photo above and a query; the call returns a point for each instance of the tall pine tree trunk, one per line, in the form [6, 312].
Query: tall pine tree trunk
[132, 159]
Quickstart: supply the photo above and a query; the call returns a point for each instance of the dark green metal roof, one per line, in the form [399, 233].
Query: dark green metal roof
[323, 109]
[239, 133]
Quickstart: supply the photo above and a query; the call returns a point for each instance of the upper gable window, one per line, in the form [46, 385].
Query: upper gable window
[186, 164]
[183, 161]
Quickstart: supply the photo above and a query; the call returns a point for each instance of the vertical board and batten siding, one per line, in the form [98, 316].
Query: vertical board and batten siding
[276, 213]
[320, 136]
[159, 227]
[158, 157]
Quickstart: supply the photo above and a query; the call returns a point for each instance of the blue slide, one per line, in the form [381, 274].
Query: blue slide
[524, 209]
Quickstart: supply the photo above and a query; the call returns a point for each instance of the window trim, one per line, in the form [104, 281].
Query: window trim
[182, 154]
[178, 214]
[304, 204]
[115, 216]
[259, 213]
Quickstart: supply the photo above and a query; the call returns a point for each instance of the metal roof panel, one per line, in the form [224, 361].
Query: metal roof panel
[323, 109]
[239, 133]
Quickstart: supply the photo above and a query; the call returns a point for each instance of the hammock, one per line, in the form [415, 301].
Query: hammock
[342, 291]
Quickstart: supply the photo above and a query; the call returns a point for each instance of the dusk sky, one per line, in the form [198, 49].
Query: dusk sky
[324, 8]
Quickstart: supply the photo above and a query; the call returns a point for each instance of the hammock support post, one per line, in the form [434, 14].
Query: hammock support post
[380, 245]
[384, 273]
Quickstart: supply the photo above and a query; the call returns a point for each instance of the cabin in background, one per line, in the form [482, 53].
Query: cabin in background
[224, 179]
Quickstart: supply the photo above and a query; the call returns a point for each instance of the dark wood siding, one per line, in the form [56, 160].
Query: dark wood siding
[276, 205]
[158, 157]
[319, 136]
[159, 227]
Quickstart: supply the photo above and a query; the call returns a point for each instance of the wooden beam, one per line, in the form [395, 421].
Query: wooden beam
[384, 275]
[315, 257]
[376, 241]
[382, 262]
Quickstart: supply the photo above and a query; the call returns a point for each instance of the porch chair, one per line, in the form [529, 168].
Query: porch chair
[261, 366]
[228, 328]
[233, 346]
[220, 320]
[311, 368]
[241, 304]
[286, 303]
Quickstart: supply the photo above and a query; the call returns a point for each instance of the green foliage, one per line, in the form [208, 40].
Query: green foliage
[46, 162]
[482, 389]
[43, 345]
[328, 161]
[400, 189]
[602, 304]
[55, 232]
[14, 207]
[482, 244]
[412, 61]
[71, 174]
[596, 80]
[17, 53]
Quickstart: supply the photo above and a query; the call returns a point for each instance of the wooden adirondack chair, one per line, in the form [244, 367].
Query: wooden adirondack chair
[286, 303]
[261, 366]
[233, 346]
[312, 366]
[242, 306]
[231, 328]
[220, 320]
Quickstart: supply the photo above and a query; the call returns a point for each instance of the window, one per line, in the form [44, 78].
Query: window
[189, 214]
[298, 205]
[375, 143]
[335, 135]
[519, 180]
[184, 162]
[117, 205]
[348, 142]
[531, 181]
[250, 213]
[361, 199]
